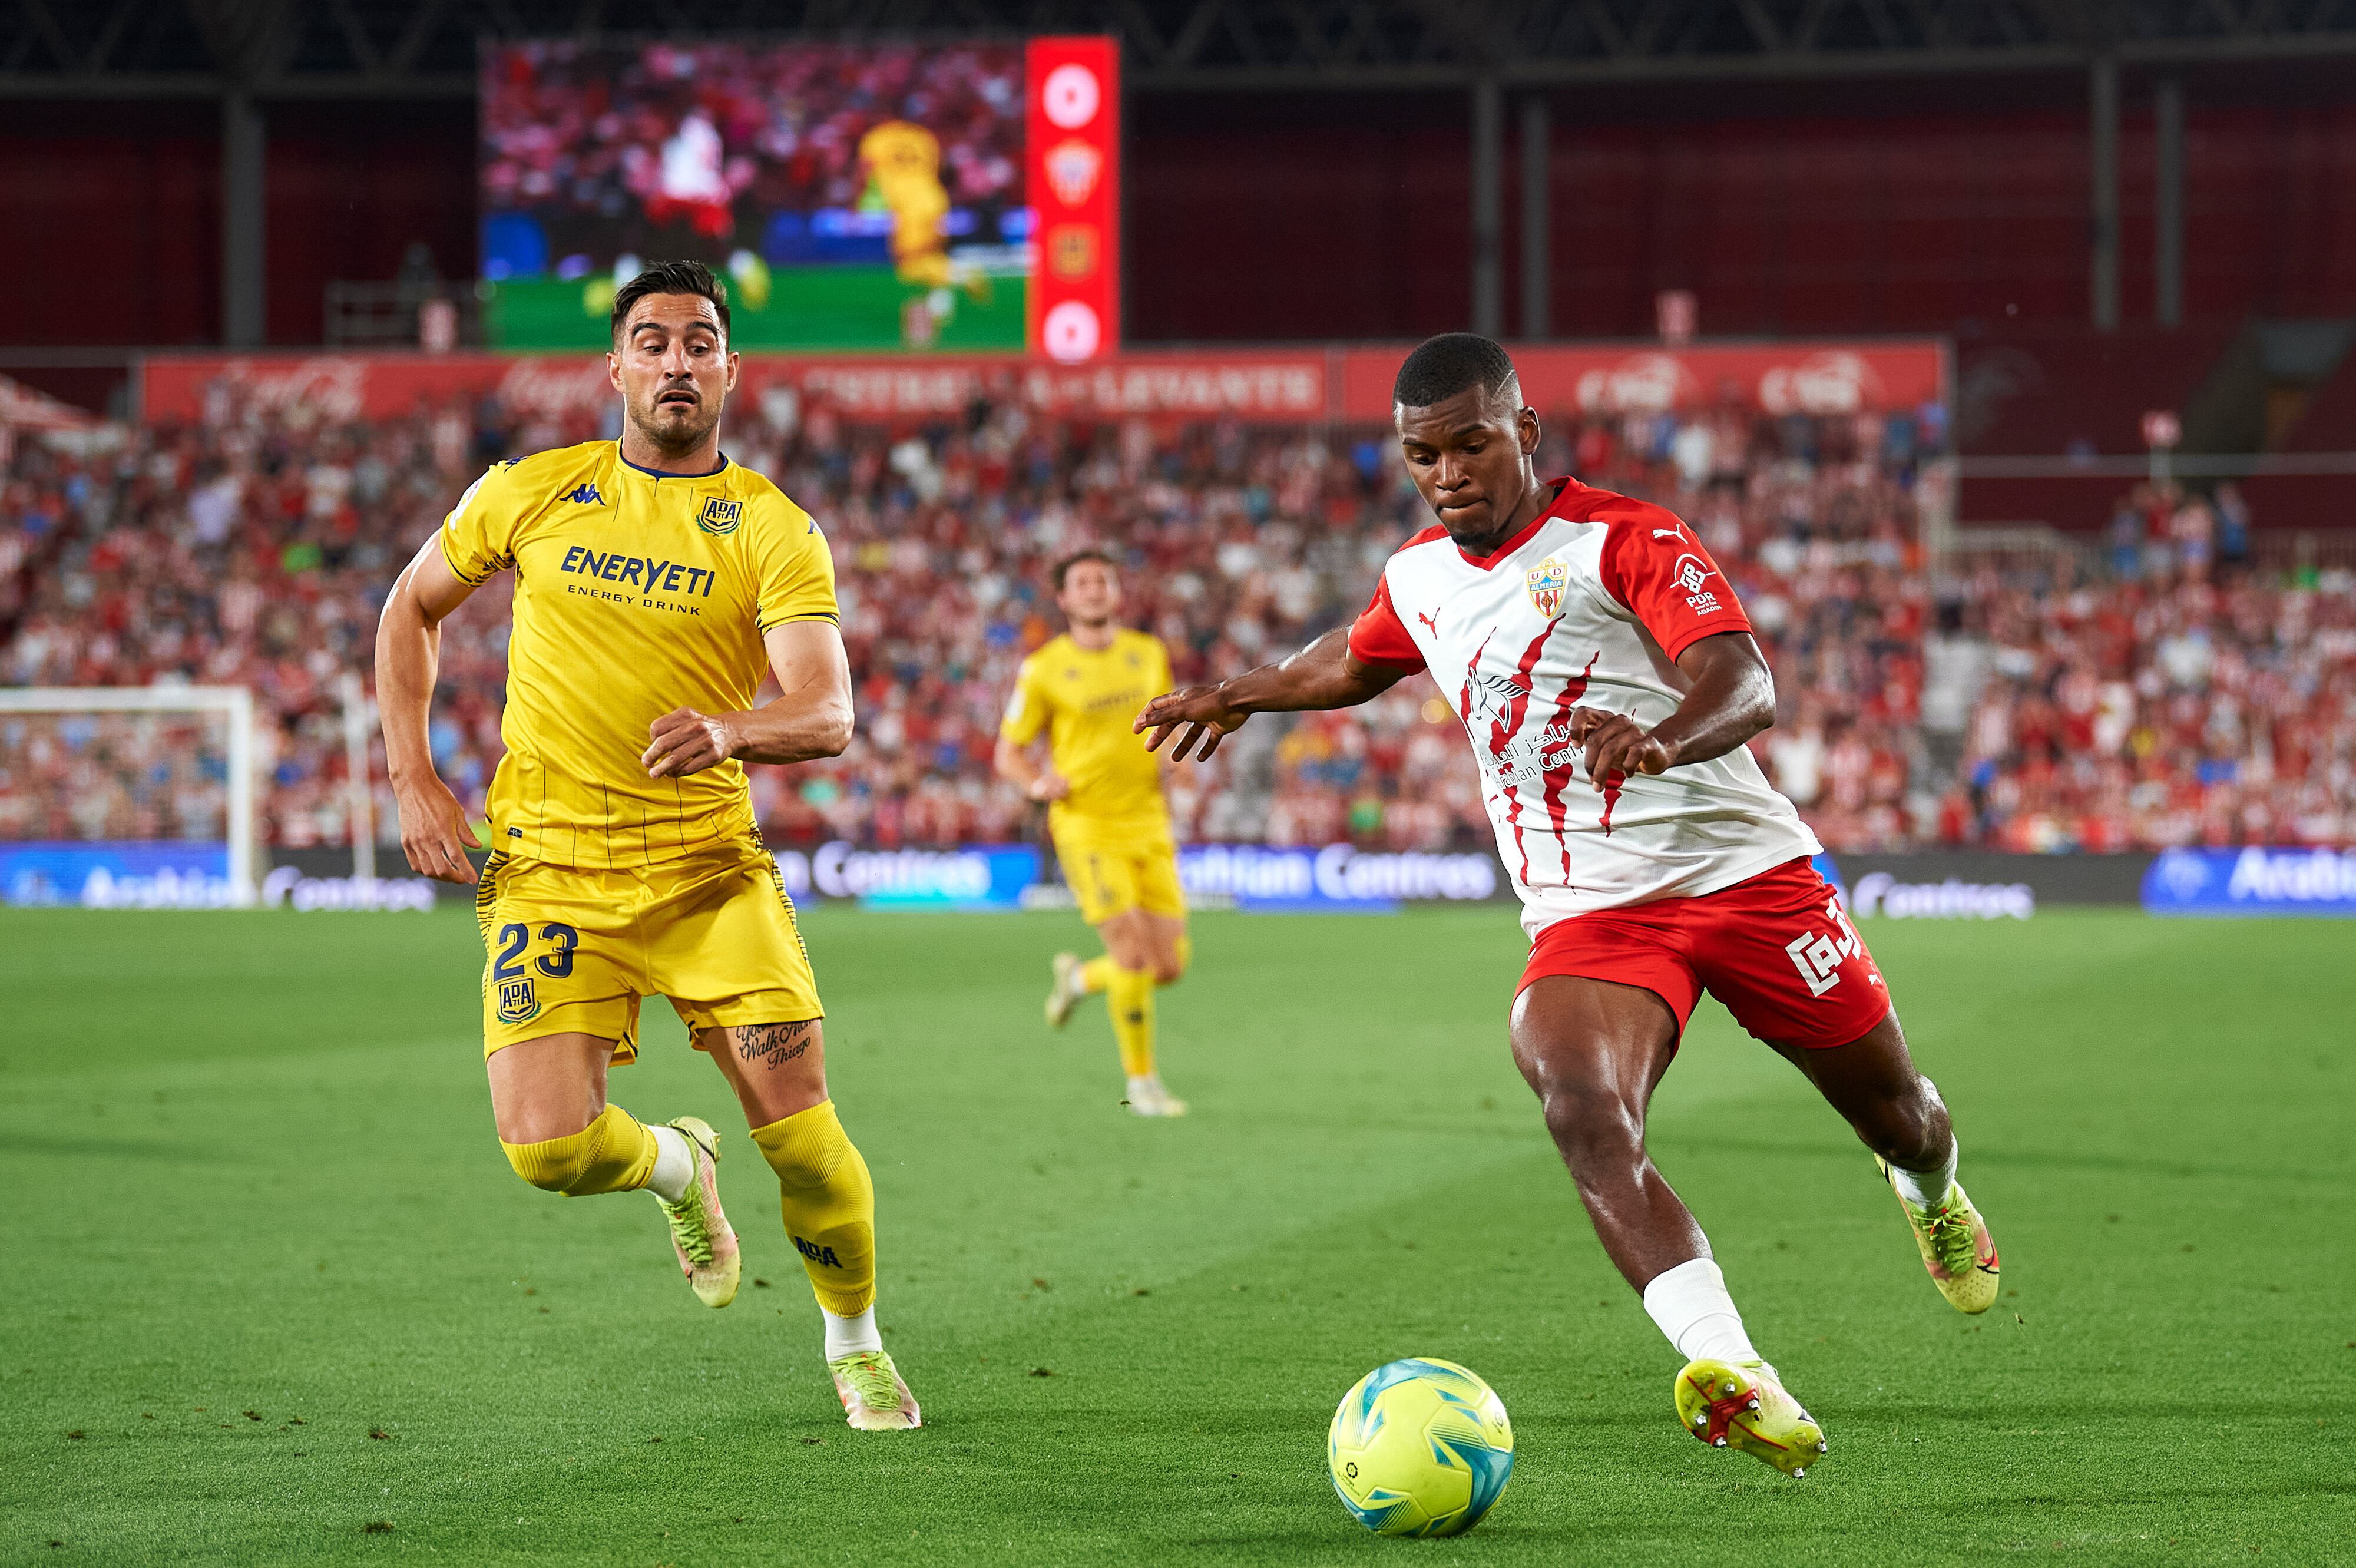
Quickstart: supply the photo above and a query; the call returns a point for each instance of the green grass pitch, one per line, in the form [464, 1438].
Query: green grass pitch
[273, 1296]
[848, 308]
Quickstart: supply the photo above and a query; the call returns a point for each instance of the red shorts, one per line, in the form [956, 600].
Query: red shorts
[1778, 950]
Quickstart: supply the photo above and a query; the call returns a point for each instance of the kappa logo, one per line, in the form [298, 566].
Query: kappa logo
[518, 1002]
[1547, 581]
[586, 496]
[1693, 575]
[720, 515]
[816, 1253]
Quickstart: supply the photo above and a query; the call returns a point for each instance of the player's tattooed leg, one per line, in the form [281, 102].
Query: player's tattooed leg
[773, 1045]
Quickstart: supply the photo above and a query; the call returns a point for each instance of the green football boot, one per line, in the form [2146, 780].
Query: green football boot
[874, 1396]
[1955, 1246]
[1731, 1404]
[699, 1231]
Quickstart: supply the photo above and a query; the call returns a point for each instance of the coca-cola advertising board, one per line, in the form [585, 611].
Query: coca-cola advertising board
[1282, 387]
[1269, 386]
[1778, 378]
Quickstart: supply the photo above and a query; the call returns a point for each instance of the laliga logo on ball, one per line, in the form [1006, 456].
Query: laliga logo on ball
[1071, 333]
[1070, 96]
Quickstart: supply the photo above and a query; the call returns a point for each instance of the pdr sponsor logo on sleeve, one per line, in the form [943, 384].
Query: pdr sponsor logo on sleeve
[2252, 880]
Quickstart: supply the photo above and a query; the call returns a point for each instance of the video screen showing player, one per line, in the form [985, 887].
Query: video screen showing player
[1079, 694]
[1608, 681]
[657, 584]
[855, 196]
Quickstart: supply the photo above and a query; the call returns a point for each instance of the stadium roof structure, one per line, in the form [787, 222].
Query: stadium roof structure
[421, 49]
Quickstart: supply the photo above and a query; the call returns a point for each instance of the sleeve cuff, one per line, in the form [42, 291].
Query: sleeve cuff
[441, 541]
[1686, 640]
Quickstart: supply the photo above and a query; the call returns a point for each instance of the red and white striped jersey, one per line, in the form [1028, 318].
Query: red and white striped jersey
[1587, 606]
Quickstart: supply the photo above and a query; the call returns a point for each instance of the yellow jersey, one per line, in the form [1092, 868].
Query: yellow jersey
[1086, 702]
[634, 594]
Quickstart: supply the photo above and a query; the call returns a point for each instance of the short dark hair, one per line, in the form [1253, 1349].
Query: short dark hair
[1441, 367]
[1092, 553]
[670, 277]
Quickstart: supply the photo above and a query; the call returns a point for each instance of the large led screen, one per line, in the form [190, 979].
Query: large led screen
[946, 197]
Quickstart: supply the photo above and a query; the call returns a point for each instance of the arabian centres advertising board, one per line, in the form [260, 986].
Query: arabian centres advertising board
[1301, 386]
[2252, 880]
[1253, 877]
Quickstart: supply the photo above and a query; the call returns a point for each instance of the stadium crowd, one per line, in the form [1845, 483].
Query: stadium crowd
[2153, 694]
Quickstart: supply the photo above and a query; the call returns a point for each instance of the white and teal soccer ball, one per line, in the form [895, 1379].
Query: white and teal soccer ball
[1420, 1447]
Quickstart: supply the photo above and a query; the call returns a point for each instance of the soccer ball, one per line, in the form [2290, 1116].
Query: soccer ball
[1420, 1447]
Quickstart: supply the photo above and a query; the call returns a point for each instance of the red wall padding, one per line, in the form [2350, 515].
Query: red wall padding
[1249, 224]
[1253, 219]
[1256, 217]
[350, 186]
[113, 213]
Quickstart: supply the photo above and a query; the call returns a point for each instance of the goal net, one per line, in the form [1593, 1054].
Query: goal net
[128, 797]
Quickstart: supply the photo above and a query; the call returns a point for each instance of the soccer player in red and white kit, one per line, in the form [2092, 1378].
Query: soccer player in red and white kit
[1608, 681]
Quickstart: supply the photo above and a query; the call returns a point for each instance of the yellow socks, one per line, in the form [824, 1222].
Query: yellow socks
[1097, 975]
[1129, 1000]
[829, 1203]
[613, 1154]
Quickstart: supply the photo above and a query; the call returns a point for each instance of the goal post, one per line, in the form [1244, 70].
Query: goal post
[234, 705]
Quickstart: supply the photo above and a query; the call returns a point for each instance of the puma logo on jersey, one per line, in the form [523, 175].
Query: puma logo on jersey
[1667, 533]
[1430, 623]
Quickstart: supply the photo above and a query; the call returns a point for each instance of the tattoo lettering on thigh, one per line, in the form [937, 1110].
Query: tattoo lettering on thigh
[773, 1045]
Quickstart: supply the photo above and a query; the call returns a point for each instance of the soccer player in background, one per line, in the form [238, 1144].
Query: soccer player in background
[656, 583]
[1608, 681]
[1105, 811]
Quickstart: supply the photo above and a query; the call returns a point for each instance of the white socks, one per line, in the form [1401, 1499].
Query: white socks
[1926, 1190]
[1690, 1303]
[674, 1165]
[849, 1336]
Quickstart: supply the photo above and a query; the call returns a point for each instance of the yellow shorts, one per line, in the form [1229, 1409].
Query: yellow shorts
[572, 950]
[1110, 874]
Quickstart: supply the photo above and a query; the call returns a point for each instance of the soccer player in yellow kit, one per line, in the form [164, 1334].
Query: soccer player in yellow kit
[656, 582]
[1105, 811]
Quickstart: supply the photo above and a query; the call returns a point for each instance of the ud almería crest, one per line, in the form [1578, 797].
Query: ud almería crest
[720, 515]
[1547, 581]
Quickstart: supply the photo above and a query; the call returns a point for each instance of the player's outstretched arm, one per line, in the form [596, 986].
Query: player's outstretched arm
[433, 831]
[810, 717]
[1326, 674]
[1731, 697]
[1018, 767]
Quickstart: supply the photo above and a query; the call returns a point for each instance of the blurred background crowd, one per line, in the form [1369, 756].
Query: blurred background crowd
[2155, 691]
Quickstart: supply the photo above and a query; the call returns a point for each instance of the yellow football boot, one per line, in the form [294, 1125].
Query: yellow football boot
[1955, 1246]
[1731, 1404]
